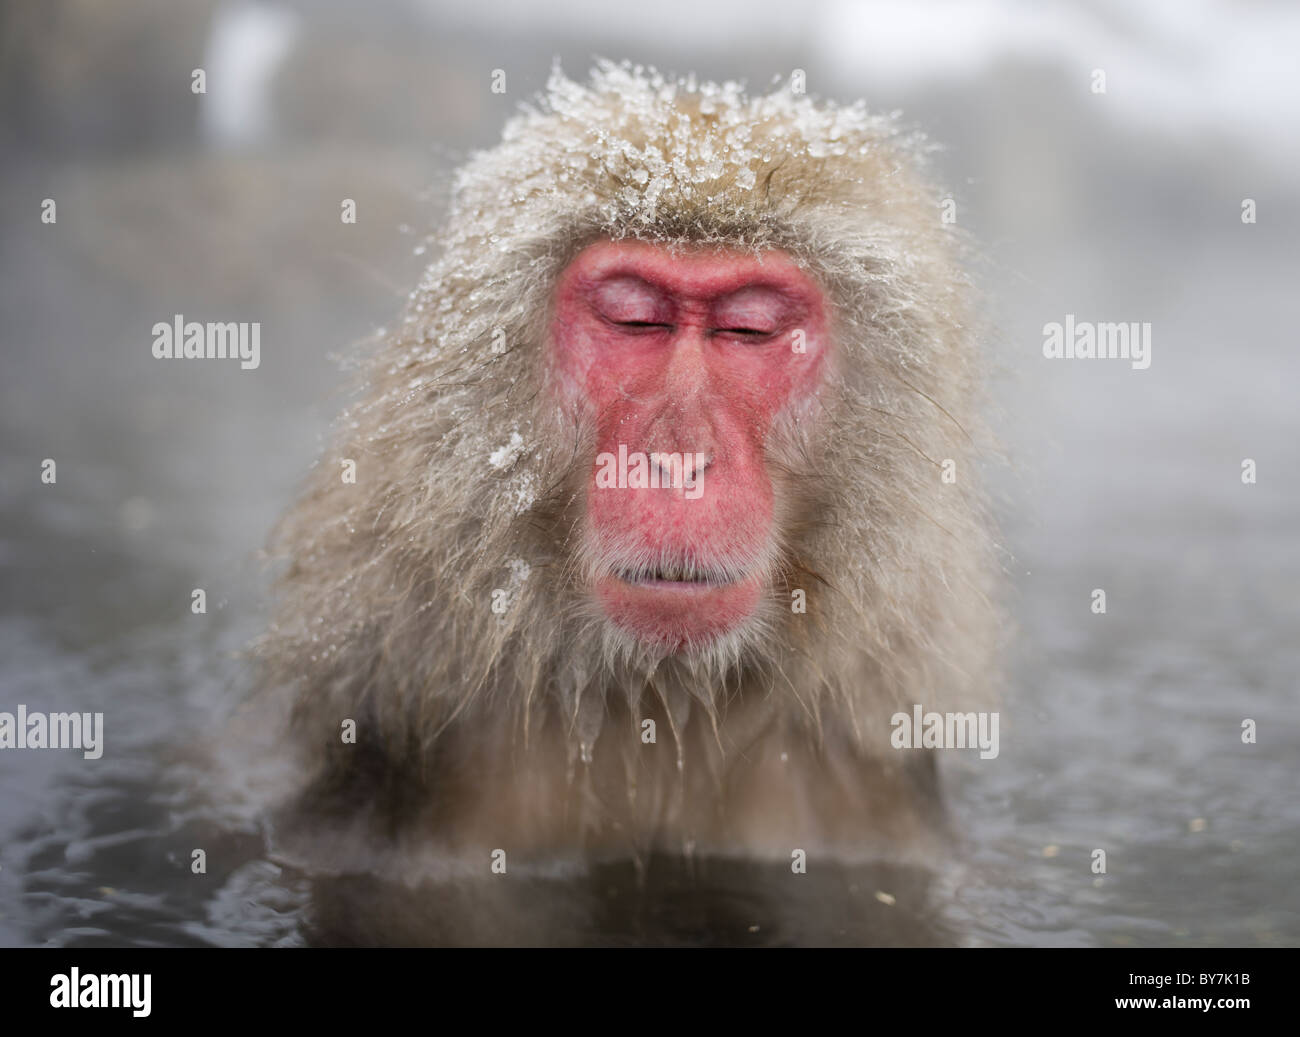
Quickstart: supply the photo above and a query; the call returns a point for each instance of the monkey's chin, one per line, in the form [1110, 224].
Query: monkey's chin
[678, 615]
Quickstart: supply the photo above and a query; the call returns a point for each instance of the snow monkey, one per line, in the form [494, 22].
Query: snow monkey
[659, 501]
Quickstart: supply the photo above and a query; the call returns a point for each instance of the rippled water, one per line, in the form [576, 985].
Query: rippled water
[1118, 751]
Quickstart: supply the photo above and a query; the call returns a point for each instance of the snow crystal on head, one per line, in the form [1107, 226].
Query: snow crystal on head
[632, 141]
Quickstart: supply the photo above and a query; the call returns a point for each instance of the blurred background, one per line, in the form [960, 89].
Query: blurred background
[1120, 731]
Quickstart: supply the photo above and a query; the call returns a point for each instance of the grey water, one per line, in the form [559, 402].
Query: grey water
[1121, 732]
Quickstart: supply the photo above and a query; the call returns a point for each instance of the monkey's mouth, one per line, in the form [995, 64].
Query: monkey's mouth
[672, 577]
[678, 607]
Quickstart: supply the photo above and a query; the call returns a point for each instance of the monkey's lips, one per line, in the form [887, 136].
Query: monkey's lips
[676, 610]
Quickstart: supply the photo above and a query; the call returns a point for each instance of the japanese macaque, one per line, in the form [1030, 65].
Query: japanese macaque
[658, 503]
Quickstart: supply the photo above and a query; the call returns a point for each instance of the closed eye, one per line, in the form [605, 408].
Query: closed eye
[641, 324]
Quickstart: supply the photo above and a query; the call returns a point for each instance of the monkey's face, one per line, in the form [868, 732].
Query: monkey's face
[683, 362]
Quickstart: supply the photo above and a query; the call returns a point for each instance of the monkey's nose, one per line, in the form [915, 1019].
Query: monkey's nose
[680, 467]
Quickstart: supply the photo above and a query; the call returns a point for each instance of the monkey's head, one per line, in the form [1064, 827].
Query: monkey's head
[672, 409]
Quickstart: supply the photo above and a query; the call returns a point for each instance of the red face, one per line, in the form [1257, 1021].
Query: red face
[683, 362]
